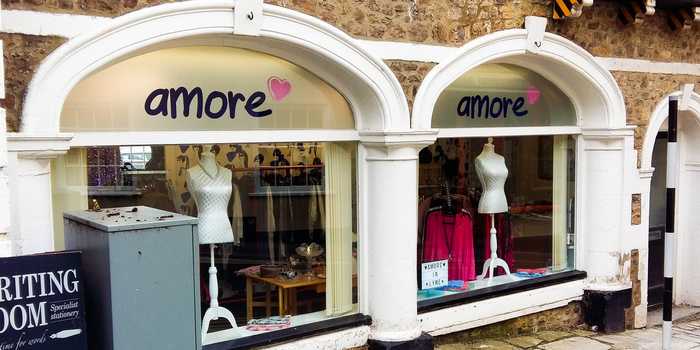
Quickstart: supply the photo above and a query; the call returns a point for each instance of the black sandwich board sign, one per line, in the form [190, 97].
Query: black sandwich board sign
[41, 302]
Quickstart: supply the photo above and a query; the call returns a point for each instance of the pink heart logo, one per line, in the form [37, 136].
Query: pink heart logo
[533, 95]
[279, 88]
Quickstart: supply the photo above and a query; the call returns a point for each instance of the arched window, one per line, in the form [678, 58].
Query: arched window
[156, 118]
[203, 88]
[513, 116]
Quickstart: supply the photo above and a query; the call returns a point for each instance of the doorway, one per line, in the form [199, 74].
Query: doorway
[657, 222]
[687, 227]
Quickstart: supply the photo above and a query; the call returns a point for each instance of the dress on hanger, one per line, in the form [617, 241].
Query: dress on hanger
[451, 238]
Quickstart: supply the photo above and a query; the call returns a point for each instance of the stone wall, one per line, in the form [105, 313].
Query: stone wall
[446, 22]
[630, 320]
[452, 22]
[108, 8]
[643, 91]
[410, 75]
[22, 54]
[564, 318]
[599, 31]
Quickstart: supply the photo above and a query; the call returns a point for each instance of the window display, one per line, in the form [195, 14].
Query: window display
[498, 210]
[277, 222]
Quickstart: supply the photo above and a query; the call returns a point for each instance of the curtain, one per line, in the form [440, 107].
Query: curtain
[69, 180]
[270, 223]
[338, 210]
[559, 189]
[236, 216]
[317, 211]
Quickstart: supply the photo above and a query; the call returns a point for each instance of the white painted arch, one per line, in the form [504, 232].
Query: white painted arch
[657, 120]
[372, 90]
[604, 146]
[598, 101]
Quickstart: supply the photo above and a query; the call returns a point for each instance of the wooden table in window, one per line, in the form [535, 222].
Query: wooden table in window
[286, 292]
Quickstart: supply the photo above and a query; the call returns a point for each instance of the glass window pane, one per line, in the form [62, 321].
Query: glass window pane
[202, 89]
[502, 95]
[289, 226]
[532, 215]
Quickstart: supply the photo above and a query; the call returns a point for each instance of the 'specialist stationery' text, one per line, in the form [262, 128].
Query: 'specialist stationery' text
[41, 303]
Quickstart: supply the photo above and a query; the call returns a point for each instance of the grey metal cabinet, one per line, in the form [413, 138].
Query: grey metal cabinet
[141, 271]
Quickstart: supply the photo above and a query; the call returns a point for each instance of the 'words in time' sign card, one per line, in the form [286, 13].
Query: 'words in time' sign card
[41, 302]
[434, 274]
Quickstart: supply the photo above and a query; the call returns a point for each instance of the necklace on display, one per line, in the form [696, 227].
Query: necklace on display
[449, 242]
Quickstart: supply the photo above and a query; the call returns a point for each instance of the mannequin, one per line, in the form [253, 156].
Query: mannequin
[492, 172]
[210, 185]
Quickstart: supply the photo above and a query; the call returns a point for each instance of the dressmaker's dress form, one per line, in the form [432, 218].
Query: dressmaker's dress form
[492, 172]
[210, 185]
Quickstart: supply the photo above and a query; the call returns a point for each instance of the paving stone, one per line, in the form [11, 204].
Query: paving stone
[693, 337]
[580, 343]
[614, 339]
[627, 346]
[583, 333]
[647, 339]
[550, 336]
[487, 344]
[524, 342]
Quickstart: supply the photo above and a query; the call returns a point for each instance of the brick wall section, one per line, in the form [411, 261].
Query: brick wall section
[636, 289]
[599, 31]
[107, 8]
[22, 54]
[643, 91]
[451, 22]
[636, 209]
[447, 21]
[564, 318]
[410, 75]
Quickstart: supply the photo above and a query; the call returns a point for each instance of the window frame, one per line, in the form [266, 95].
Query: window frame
[354, 319]
[428, 305]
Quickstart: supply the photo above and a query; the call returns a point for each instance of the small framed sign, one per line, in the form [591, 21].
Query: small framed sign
[434, 274]
[41, 302]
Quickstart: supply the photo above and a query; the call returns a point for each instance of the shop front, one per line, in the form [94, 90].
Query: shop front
[283, 136]
[333, 197]
[523, 195]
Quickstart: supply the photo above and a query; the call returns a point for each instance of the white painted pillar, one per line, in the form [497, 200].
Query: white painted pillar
[389, 187]
[644, 187]
[604, 192]
[5, 244]
[29, 174]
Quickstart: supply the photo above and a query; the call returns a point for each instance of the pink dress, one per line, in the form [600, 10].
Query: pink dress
[451, 237]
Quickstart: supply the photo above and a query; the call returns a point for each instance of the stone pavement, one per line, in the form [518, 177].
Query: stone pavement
[686, 335]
